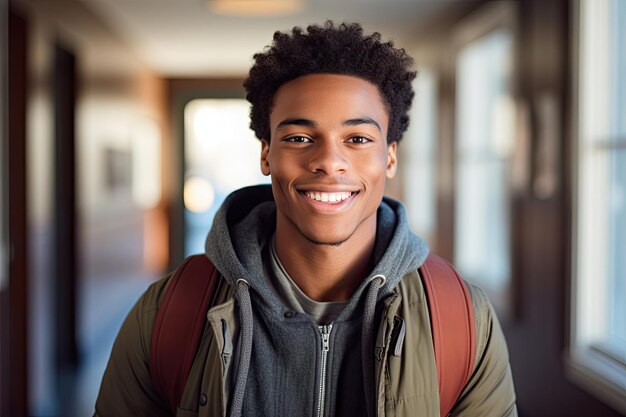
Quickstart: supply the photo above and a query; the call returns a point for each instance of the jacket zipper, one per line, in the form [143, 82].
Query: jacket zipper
[325, 332]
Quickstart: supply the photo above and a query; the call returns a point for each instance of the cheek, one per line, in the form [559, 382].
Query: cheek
[277, 166]
[283, 170]
[374, 170]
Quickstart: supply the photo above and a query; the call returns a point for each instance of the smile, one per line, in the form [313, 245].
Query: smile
[327, 197]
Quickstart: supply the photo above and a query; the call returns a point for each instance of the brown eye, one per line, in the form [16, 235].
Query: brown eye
[298, 139]
[359, 140]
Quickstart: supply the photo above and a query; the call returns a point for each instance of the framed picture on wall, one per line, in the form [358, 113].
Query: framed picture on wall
[118, 169]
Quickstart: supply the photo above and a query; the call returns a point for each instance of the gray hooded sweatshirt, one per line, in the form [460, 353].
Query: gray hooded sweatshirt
[289, 365]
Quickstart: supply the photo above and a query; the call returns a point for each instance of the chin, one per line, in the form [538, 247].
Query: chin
[327, 243]
[334, 239]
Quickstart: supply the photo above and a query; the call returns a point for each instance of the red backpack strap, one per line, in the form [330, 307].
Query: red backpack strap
[178, 326]
[452, 324]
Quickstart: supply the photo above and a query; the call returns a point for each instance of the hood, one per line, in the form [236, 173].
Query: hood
[247, 220]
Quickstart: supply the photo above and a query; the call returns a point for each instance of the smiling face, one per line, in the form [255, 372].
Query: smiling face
[328, 157]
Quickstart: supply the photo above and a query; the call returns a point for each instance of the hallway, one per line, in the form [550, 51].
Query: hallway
[124, 126]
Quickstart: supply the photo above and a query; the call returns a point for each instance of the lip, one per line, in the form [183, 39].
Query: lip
[328, 189]
[328, 207]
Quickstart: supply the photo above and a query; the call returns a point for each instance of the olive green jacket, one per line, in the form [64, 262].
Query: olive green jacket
[406, 386]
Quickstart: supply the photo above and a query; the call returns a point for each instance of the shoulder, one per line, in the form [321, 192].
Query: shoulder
[136, 332]
[151, 301]
[481, 303]
[488, 330]
[152, 297]
[490, 388]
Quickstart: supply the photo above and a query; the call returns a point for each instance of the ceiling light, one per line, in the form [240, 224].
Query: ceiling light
[255, 7]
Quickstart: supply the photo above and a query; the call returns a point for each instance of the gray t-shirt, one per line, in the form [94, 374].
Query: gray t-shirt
[293, 297]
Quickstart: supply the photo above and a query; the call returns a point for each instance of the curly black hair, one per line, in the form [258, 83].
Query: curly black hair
[333, 49]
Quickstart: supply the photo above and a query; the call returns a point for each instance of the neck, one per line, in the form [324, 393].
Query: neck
[326, 272]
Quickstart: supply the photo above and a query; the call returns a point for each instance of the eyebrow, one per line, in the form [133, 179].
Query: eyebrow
[310, 123]
[296, 122]
[362, 121]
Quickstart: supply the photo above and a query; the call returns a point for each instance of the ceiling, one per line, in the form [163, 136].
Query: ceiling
[183, 38]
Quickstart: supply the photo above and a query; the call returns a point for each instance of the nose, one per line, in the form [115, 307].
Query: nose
[328, 157]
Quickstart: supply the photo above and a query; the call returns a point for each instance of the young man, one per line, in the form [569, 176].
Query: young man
[316, 268]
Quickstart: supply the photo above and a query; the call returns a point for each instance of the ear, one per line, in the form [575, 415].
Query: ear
[392, 160]
[265, 164]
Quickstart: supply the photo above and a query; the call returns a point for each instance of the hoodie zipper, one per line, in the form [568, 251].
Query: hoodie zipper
[325, 332]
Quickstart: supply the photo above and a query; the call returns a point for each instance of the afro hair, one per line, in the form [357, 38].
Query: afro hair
[332, 49]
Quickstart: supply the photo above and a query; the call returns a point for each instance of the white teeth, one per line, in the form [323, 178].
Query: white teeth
[327, 197]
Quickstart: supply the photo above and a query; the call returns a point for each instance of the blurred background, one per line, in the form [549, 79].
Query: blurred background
[123, 127]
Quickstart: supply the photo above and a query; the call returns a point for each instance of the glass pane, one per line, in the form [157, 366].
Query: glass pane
[484, 141]
[618, 68]
[221, 155]
[618, 178]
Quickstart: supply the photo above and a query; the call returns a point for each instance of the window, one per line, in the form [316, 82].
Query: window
[484, 143]
[597, 357]
[221, 155]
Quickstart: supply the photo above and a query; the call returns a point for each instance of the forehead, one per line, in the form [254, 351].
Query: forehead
[328, 97]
